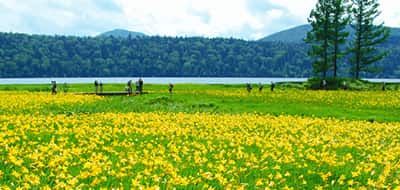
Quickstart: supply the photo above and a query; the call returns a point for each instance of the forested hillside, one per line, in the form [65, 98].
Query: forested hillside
[44, 56]
[24, 55]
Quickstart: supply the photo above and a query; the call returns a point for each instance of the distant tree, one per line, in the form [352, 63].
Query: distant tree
[367, 36]
[319, 36]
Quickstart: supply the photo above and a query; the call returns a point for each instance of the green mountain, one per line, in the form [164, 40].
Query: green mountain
[297, 34]
[120, 33]
[293, 35]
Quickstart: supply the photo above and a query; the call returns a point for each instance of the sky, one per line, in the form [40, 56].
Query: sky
[245, 19]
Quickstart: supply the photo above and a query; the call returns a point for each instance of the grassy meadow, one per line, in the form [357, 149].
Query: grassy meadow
[199, 137]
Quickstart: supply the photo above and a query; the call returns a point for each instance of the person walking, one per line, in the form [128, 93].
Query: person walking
[260, 87]
[249, 87]
[272, 86]
[140, 86]
[101, 87]
[53, 87]
[170, 88]
[96, 85]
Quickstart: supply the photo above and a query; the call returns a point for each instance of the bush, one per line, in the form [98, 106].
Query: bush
[337, 83]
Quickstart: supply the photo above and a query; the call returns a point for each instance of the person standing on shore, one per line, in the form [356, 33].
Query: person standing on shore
[260, 87]
[384, 86]
[53, 87]
[140, 85]
[249, 87]
[96, 85]
[272, 86]
[170, 88]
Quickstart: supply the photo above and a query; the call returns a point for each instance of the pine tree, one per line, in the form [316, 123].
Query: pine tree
[340, 21]
[319, 36]
[367, 36]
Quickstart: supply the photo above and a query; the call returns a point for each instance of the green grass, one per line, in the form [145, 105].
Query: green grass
[192, 98]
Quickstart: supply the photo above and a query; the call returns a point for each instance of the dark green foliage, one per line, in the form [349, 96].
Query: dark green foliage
[45, 56]
[327, 35]
[348, 84]
[367, 37]
[319, 37]
[333, 84]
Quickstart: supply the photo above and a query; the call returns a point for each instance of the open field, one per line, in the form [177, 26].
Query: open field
[373, 105]
[201, 136]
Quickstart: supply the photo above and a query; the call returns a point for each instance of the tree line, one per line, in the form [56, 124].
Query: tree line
[328, 37]
[24, 55]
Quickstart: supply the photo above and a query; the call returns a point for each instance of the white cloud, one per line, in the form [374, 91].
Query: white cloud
[249, 19]
[390, 12]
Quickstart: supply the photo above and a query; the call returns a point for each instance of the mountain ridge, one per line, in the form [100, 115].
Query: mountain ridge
[121, 33]
[298, 33]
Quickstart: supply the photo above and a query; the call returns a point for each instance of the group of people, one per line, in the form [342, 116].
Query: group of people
[54, 87]
[138, 84]
[99, 86]
[249, 87]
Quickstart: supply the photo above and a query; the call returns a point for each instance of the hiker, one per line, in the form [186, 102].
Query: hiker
[272, 86]
[140, 85]
[260, 87]
[384, 86]
[137, 88]
[53, 87]
[101, 87]
[170, 88]
[96, 84]
[249, 87]
[129, 87]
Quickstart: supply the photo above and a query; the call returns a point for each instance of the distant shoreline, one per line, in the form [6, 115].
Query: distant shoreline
[166, 80]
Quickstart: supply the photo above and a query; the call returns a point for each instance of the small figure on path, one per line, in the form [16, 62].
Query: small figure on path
[96, 84]
[101, 87]
[260, 87]
[129, 87]
[140, 85]
[170, 88]
[272, 86]
[53, 87]
[137, 87]
[249, 87]
[384, 86]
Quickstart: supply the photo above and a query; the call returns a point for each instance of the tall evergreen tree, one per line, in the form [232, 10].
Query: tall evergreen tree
[340, 20]
[367, 36]
[319, 36]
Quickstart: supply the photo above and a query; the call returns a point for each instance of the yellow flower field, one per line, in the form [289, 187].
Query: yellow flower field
[351, 99]
[196, 151]
[19, 101]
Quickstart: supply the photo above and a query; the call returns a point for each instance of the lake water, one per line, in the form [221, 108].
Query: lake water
[162, 80]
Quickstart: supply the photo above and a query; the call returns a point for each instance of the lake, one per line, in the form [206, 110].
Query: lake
[165, 80]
